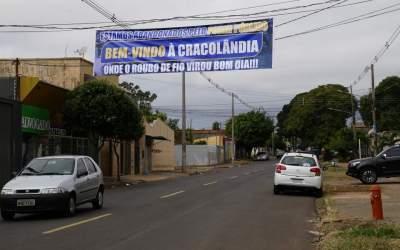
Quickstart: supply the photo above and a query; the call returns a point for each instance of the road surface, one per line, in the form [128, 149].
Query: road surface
[224, 209]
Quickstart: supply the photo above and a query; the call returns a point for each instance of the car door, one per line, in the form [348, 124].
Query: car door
[392, 161]
[93, 178]
[82, 182]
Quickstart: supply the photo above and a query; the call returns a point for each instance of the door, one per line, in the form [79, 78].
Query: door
[82, 182]
[93, 178]
[391, 163]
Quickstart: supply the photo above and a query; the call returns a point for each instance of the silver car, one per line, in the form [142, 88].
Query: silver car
[53, 183]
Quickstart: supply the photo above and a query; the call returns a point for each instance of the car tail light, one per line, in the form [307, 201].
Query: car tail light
[279, 168]
[315, 170]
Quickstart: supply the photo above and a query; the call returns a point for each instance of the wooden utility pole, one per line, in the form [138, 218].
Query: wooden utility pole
[17, 81]
[353, 125]
[374, 128]
[183, 122]
[233, 129]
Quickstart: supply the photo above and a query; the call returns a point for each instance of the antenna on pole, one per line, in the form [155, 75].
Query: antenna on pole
[81, 52]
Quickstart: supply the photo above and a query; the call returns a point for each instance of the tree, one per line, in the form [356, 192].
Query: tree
[343, 144]
[173, 124]
[315, 116]
[387, 95]
[143, 100]
[103, 111]
[216, 126]
[200, 142]
[252, 129]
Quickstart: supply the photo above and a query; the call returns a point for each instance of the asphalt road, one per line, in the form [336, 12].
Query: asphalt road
[224, 209]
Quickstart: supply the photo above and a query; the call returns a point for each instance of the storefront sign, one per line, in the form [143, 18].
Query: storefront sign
[35, 120]
[222, 47]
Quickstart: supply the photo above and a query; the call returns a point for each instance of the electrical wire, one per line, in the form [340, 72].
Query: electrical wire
[125, 24]
[358, 18]
[378, 56]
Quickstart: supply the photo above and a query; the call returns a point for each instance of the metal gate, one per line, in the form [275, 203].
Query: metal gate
[10, 139]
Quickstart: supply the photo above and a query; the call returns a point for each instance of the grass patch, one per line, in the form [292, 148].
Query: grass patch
[363, 237]
[384, 231]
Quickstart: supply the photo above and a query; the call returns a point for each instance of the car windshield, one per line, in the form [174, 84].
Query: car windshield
[299, 161]
[52, 166]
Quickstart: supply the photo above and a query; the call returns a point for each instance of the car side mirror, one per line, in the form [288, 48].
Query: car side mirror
[384, 156]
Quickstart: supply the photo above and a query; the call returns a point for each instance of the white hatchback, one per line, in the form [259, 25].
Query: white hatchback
[298, 171]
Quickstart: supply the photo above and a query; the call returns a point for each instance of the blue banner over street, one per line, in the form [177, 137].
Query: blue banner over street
[232, 46]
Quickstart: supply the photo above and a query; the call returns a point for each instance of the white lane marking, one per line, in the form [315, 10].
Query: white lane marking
[233, 177]
[247, 173]
[170, 195]
[75, 224]
[210, 183]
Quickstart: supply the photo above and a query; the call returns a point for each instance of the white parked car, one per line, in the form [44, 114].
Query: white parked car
[53, 183]
[298, 171]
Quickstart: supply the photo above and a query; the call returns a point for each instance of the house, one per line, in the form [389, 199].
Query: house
[43, 87]
[154, 151]
[208, 147]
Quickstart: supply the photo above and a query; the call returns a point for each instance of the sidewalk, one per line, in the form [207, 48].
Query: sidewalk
[345, 214]
[350, 199]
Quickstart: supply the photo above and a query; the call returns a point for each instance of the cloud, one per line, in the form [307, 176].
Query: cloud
[335, 55]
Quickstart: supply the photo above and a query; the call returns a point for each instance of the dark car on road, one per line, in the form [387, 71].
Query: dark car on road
[385, 164]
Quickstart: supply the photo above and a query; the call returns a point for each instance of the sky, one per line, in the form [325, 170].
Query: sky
[336, 55]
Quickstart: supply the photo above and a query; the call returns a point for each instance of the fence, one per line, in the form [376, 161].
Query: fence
[200, 155]
[38, 146]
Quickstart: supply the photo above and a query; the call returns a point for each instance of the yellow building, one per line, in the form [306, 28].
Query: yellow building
[210, 137]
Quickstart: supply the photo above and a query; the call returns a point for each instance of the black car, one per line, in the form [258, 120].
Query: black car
[385, 164]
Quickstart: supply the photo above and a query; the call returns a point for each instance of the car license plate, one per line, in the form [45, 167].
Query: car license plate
[297, 180]
[26, 203]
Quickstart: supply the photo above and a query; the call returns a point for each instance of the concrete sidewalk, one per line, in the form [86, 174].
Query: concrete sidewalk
[348, 198]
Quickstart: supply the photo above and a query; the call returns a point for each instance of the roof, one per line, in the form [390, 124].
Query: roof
[207, 132]
[62, 156]
[48, 59]
[300, 154]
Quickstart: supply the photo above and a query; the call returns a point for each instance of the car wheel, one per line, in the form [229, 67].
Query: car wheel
[277, 190]
[318, 192]
[71, 206]
[98, 202]
[368, 176]
[7, 215]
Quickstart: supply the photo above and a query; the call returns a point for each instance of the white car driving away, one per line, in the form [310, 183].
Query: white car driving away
[298, 171]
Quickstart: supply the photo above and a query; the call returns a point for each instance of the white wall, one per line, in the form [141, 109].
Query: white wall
[200, 155]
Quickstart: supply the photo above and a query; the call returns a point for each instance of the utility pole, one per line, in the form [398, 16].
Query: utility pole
[183, 123]
[17, 81]
[233, 129]
[373, 110]
[273, 141]
[353, 120]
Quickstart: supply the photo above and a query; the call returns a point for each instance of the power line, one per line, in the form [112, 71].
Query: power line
[378, 56]
[126, 24]
[345, 21]
[216, 85]
[186, 19]
[105, 13]
[312, 13]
